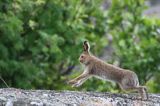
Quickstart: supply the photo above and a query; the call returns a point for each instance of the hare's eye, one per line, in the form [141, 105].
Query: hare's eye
[82, 56]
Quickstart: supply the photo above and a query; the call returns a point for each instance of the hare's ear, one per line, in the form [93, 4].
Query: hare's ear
[86, 46]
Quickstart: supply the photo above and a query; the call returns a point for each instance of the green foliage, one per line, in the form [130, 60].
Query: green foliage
[136, 39]
[41, 41]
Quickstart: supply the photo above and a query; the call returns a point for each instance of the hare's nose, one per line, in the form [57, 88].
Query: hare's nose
[80, 60]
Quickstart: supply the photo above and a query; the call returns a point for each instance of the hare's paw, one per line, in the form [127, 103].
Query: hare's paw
[76, 84]
[71, 82]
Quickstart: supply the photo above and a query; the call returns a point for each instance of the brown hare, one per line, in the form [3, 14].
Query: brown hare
[126, 79]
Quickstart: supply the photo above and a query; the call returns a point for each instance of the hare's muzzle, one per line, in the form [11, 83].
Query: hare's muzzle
[80, 60]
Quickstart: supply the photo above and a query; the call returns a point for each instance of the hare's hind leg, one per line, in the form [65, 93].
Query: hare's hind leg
[131, 85]
[142, 91]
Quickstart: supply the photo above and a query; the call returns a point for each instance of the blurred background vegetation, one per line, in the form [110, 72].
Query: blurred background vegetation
[41, 40]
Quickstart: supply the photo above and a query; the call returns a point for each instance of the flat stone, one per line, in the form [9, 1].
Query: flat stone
[19, 97]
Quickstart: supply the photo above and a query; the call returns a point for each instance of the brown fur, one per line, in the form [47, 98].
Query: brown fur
[126, 79]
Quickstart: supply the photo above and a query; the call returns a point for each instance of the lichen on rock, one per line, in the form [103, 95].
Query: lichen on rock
[19, 97]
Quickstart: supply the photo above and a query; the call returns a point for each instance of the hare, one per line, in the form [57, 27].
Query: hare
[126, 79]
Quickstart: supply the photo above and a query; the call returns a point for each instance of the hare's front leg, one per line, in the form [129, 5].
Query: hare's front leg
[79, 80]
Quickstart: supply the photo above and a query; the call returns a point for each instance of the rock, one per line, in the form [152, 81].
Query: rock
[19, 97]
